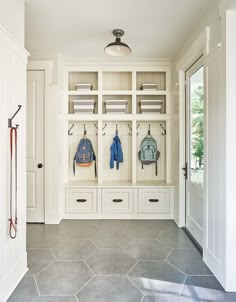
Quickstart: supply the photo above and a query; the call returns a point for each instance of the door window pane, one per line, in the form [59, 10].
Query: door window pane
[197, 127]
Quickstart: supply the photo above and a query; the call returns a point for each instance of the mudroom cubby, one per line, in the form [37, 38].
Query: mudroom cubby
[127, 98]
[130, 191]
[147, 174]
[117, 81]
[151, 77]
[82, 174]
[82, 78]
[158, 98]
[124, 173]
[72, 98]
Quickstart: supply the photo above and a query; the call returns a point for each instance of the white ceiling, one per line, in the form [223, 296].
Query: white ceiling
[81, 29]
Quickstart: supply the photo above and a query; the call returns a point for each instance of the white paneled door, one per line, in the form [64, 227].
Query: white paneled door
[195, 150]
[35, 146]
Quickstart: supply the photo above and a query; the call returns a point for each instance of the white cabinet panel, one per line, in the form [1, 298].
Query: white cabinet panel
[117, 201]
[153, 201]
[81, 201]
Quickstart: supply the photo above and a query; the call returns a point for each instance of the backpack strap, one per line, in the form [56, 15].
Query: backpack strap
[156, 168]
[74, 165]
[94, 158]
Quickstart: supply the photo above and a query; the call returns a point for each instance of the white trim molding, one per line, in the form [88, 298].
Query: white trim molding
[51, 212]
[199, 47]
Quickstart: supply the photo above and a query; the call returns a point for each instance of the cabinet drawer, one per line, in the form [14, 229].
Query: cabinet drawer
[117, 201]
[154, 201]
[81, 201]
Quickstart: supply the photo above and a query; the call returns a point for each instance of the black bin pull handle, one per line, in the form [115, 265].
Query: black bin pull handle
[117, 200]
[153, 200]
[81, 200]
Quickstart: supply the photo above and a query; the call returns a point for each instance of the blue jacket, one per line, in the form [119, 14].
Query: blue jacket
[116, 153]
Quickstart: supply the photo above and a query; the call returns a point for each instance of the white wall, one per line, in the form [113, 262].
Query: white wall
[13, 257]
[12, 18]
[212, 20]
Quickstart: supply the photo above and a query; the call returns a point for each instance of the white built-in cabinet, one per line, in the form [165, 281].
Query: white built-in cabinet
[130, 192]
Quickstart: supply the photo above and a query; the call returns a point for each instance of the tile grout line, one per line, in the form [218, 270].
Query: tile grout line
[135, 285]
[125, 251]
[183, 286]
[168, 254]
[84, 285]
[36, 285]
[53, 254]
[175, 267]
[171, 247]
[131, 268]
[89, 268]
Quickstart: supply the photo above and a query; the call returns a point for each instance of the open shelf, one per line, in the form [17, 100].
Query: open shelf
[151, 77]
[128, 98]
[117, 81]
[82, 77]
[151, 97]
[82, 97]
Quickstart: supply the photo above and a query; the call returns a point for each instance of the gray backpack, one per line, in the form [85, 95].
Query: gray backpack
[148, 153]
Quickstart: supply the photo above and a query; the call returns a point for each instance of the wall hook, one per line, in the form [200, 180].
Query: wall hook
[163, 129]
[96, 128]
[85, 131]
[149, 129]
[116, 129]
[130, 133]
[103, 129]
[137, 128]
[10, 119]
[69, 133]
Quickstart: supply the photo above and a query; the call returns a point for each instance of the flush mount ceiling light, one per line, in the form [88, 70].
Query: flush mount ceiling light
[117, 48]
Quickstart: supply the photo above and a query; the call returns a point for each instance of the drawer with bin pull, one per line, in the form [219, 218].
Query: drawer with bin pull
[81, 201]
[119, 201]
[154, 201]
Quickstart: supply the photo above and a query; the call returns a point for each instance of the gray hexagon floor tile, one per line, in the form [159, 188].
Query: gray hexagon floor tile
[63, 278]
[189, 261]
[78, 228]
[148, 250]
[154, 277]
[55, 299]
[169, 298]
[165, 225]
[37, 259]
[109, 289]
[110, 262]
[206, 288]
[26, 291]
[73, 248]
[175, 238]
[111, 239]
[41, 236]
[140, 229]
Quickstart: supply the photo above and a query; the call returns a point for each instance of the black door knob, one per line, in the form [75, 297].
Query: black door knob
[40, 166]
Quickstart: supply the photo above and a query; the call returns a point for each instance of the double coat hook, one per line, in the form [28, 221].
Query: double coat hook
[10, 119]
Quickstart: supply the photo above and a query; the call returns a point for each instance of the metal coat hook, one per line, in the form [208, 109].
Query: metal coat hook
[149, 129]
[85, 131]
[137, 128]
[96, 127]
[116, 129]
[130, 133]
[10, 119]
[163, 129]
[103, 129]
[69, 133]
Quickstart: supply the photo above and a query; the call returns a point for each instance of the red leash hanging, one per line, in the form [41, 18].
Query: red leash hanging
[13, 149]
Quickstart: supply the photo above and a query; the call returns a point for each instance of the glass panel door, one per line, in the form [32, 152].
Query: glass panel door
[195, 149]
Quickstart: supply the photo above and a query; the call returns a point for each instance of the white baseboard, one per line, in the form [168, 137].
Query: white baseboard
[9, 282]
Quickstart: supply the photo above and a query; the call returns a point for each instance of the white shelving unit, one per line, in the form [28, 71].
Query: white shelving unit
[130, 192]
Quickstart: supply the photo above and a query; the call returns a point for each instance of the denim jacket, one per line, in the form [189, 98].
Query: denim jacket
[116, 153]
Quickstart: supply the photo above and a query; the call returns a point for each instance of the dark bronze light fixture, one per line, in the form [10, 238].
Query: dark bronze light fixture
[117, 48]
